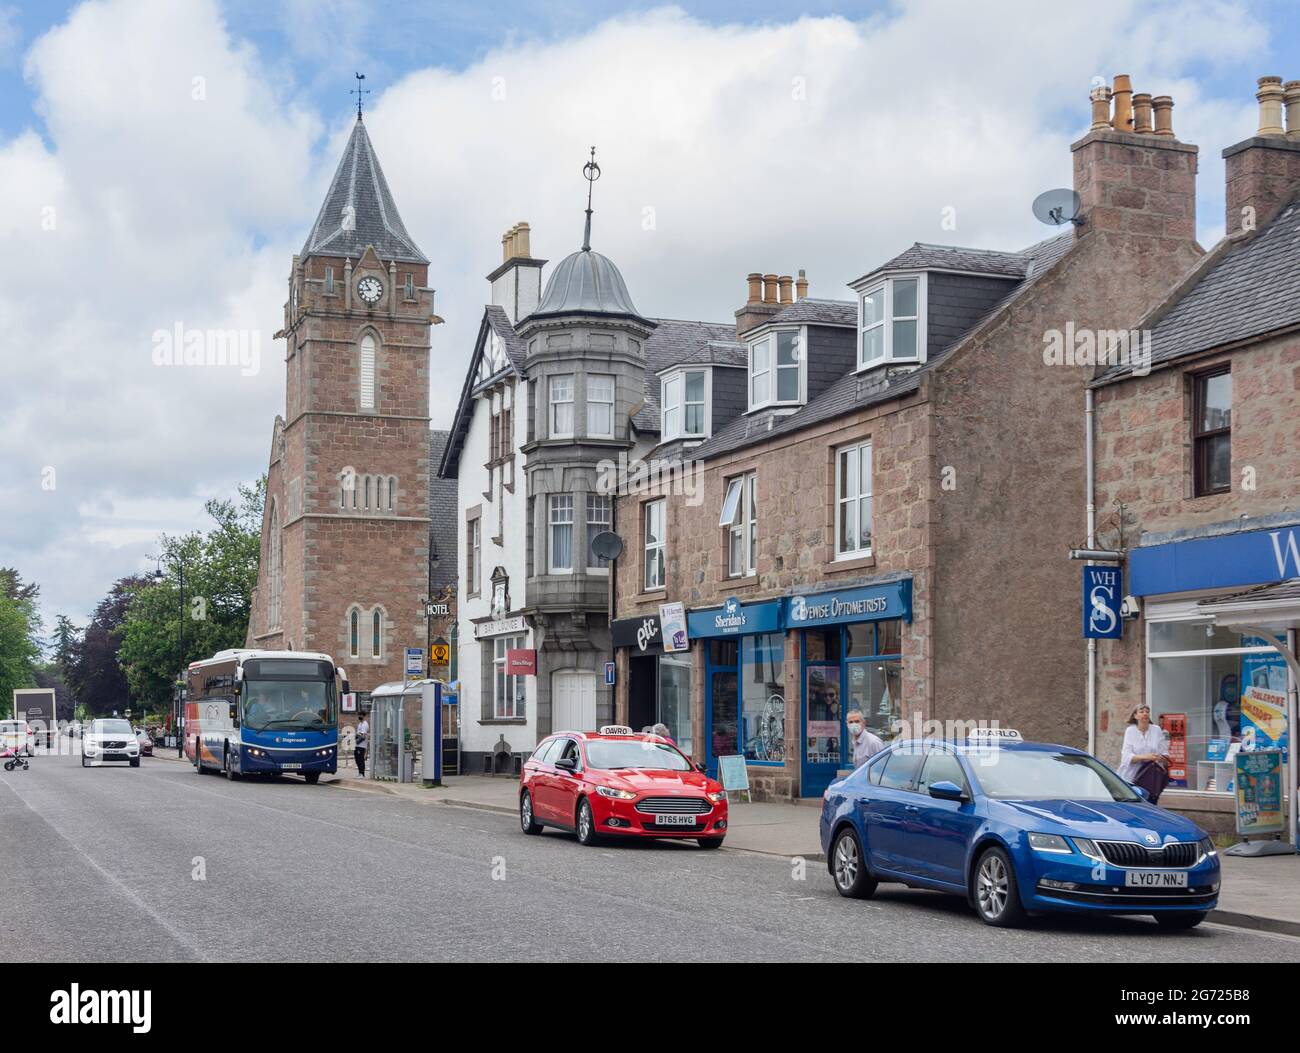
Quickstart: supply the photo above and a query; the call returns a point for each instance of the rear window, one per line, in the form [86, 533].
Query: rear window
[900, 769]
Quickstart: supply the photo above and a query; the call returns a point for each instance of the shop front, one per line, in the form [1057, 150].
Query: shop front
[1218, 689]
[850, 660]
[658, 681]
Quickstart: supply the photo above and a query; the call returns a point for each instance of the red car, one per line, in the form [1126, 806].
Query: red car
[616, 783]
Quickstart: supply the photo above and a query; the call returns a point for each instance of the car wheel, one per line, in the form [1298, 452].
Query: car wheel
[135, 762]
[312, 777]
[586, 825]
[710, 842]
[84, 763]
[526, 821]
[1181, 921]
[995, 894]
[849, 867]
[230, 773]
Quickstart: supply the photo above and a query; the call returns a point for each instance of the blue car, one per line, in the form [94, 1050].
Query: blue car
[1018, 828]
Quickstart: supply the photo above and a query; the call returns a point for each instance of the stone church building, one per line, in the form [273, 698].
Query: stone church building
[352, 547]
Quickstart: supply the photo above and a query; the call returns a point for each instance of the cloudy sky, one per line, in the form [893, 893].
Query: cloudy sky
[162, 160]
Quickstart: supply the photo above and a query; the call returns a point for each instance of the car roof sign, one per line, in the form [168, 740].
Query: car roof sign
[615, 729]
[993, 735]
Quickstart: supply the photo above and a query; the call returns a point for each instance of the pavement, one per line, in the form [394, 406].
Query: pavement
[159, 863]
[1261, 892]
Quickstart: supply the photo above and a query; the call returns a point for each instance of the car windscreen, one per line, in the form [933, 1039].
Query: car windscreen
[112, 727]
[635, 753]
[288, 705]
[1044, 775]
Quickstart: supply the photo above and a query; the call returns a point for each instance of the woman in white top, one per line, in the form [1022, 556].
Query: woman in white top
[1143, 741]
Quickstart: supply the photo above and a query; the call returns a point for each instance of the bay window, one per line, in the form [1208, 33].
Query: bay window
[684, 400]
[600, 407]
[598, 521]
[891, 321]
[776, 369]
[853, 500]
[561, 391]
[561, 533]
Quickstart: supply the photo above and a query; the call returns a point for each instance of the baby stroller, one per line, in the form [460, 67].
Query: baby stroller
[13, 759]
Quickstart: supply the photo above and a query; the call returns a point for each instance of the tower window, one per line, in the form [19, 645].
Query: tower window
[410, 286]
[376, 626]
[354, 634]
[367, 372]
[329, 281]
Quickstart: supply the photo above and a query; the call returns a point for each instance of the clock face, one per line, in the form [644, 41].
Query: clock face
[370, 289]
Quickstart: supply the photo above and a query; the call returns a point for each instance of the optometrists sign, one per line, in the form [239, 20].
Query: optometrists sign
[1103, 591]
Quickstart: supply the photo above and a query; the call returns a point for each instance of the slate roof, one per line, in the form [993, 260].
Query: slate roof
[674, 341]
[854, 390]
[715, 353]
[443, 514]
[817, 312]
[922, 256]
[359, 183]
[1248, 291]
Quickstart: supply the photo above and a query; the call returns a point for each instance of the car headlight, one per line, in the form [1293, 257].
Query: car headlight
[1053, 843]
[719, 797]
[618, 795]
[1208, 851]
[1088, 847]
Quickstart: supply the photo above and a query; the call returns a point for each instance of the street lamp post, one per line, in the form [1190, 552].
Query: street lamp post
[176, 704]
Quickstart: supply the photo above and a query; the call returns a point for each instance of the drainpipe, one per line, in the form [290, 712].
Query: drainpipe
[1089, 427]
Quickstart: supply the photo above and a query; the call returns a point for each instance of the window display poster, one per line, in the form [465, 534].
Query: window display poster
[1259, 792]
[672, 618]
[1174, 725]
[824, 715]
[1263, 700]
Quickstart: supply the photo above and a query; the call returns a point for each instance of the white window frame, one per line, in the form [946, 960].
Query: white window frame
[475, 555]
[673, 405]
[560, 503]
[842, 498]
[742, 501]
[605, 521]
[608, 433]
[771, 337]
[367, 366]
[503, 680]
[660, 546]
[888, 319]
[569, 379]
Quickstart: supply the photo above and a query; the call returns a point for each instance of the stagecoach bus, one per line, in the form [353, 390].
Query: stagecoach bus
[263, 713]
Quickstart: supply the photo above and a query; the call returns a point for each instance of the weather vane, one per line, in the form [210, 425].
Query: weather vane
[590, 172]
[358, 91]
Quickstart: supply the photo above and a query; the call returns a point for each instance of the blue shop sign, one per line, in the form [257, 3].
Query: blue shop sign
[892, 599]
[1103, 592]
[734, 618]
[1252, 557]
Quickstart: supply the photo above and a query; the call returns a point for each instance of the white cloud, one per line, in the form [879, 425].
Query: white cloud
[181, 182]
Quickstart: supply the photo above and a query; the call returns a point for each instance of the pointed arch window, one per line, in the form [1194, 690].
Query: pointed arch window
[354, 642]
[376, 634]
[276, 576]
[367, 372]
[392, 493]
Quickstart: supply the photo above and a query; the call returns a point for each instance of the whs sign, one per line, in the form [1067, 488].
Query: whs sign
[1103, 592]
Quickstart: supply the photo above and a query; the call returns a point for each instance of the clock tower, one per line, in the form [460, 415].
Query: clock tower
[345, 535]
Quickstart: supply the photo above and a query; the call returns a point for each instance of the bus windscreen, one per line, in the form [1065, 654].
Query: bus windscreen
[288, 705]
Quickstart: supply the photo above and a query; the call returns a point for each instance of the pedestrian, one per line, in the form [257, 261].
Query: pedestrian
[362, 744]
[662, 731]
[1144, 757]
[865, 744]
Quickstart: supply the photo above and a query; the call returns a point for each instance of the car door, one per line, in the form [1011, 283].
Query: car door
[566, 785]
[882, 809]
[541, 777]
[938, 831]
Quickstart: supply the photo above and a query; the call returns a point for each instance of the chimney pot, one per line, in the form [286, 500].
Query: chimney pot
[524, 237]
[1100, 107]
[1164, 119]
[505, 246]
[786, 282]
[1123, 95]
[1291, 96]
[1142, 114]
[769, 289]
[801, 285]
[1270, 96]
[755, 281]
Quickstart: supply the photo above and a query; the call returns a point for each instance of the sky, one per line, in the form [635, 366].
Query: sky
[162, 160]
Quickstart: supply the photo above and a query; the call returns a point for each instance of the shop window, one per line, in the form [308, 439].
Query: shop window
[507, 690]
[762, 678]
[724, 732]
[1215, 692]
[1212, 432]
[675, 698]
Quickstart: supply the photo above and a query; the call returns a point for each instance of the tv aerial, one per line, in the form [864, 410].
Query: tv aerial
[1056, 207]
[607, 545]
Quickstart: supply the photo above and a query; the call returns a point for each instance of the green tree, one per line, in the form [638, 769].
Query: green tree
[96, 677]
[20, 646]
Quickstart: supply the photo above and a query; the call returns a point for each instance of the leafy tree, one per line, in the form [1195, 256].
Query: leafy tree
[13, 586]
[20, 645]
[66, 641]
[96, 677]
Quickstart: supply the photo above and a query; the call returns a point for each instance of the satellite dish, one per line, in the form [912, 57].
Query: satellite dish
[607, 545]
[1055, 207]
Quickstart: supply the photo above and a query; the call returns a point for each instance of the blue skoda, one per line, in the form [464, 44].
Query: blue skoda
[1017, 828]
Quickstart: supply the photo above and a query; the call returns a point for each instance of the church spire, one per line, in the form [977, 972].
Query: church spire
[359, 209]
[359, 91]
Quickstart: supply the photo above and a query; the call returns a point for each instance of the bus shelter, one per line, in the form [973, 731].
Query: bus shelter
[403, 718]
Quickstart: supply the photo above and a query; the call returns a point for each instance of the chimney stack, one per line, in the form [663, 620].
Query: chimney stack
[767, 295]
[786, 282]
[801, 285]
[1263, 172]
[1132, 176]
[517, 281]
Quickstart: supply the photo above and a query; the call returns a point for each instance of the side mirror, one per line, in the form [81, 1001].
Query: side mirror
[234, 713]
[567, 763]
[1141, 792]
[947, 791]
[702, 767]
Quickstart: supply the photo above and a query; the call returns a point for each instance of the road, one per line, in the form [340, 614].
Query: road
[158, 863]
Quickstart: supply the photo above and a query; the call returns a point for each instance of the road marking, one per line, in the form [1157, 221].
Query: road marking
[120, 886]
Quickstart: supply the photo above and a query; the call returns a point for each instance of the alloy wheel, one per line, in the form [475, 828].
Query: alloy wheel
[846, 862]
[992, 886]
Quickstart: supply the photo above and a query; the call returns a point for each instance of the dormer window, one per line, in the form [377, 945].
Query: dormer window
[684, 398]
[891, 321]
[776, 369]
